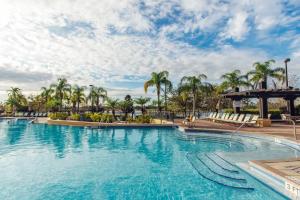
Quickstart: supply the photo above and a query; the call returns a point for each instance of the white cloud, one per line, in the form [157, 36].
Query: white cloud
[88, 41]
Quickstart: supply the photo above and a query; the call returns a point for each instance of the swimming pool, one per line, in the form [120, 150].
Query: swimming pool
[40, 161]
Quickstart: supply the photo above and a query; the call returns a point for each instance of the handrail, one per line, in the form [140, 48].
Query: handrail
[236, 130]
[289, 120]
[286, 120]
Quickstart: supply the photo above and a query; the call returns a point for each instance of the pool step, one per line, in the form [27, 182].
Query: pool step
[209, 174]
[222, 163]
[223, 140]
[214, 168]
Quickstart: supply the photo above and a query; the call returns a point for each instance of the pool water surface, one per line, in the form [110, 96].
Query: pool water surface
[39, 161]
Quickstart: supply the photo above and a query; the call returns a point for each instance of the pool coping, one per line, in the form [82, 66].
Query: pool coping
[106, 125]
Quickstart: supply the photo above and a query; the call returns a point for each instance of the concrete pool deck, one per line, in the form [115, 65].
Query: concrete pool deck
[281, 130]
[285, 172]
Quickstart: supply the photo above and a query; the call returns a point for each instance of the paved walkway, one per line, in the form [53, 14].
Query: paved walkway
[277, 129]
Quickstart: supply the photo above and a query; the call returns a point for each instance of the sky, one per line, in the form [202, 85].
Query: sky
[116, 44]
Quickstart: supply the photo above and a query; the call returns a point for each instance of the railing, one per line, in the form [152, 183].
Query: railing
[286, 120]
[294, 125]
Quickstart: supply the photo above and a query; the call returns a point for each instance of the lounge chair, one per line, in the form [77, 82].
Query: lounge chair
[191, 123]
[227, 116]
[240, 119]
[25, 114]
[233, 118]
[218, 117]
[253, 121]
[187, 120]
[210, 115]
[214, 115]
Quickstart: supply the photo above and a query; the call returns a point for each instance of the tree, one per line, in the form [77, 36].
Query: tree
[46, 95]
[234, 80]
[78, 95]
[95, 95]
[142, 101]
[62, 90]
[193, 84]
[112, 104]
[15, 98]
[157, 79]
[127, 105]
[167, 87]
[263, 71]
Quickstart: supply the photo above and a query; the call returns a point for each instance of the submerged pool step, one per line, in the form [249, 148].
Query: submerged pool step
[218, 170]
[222, 163]
[205, 172]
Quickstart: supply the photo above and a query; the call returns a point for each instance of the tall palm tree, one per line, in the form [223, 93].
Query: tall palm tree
[263, 71]
[157, 79]
[182, 97]
[234, 80]
[62, 89]
[112, 104]
[193, 84]
[78, 95]
[15, 98]
[167, 88]
[142, 101]
[95, 96]
[46, 94]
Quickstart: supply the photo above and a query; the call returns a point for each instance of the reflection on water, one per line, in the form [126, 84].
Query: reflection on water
[58, 162]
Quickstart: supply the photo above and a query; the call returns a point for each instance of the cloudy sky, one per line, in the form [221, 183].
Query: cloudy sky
[118, 43]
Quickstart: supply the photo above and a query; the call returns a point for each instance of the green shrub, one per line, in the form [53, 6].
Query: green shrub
[107, 118]
[145, 119]
[86, 117]
[130, 120]
[58, 115]
[75, 117]
[95, 117]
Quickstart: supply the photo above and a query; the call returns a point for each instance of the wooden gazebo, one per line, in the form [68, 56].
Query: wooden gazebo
[290, 95]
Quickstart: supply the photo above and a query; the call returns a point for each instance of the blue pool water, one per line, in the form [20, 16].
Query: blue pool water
[57, 162]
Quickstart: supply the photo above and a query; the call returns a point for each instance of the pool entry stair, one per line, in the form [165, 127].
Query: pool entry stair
[214, 168]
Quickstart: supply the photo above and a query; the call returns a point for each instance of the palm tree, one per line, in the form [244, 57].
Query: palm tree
[112, 104]
[62, 89]
[15, 98]
[78, 95]
[95, 95]
[157, 79]
[233, 80]
[167, 87]
[141, 101]
[46, 95]
[193, 84]
[263, 71]
[181, 97]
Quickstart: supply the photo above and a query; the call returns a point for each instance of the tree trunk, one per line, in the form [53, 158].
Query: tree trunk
[97, 104]
[194, 104]
[78, 106]
[158, 103]
[114, 113]
[165, 98]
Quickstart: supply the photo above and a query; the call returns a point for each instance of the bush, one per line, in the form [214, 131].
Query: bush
[145, 119]
[86, 117]
[130, 120]
[107, 118]
[75, 117]
[58, 115]
[95, 117]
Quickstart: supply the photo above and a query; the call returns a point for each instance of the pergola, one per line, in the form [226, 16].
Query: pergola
[290, 95]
